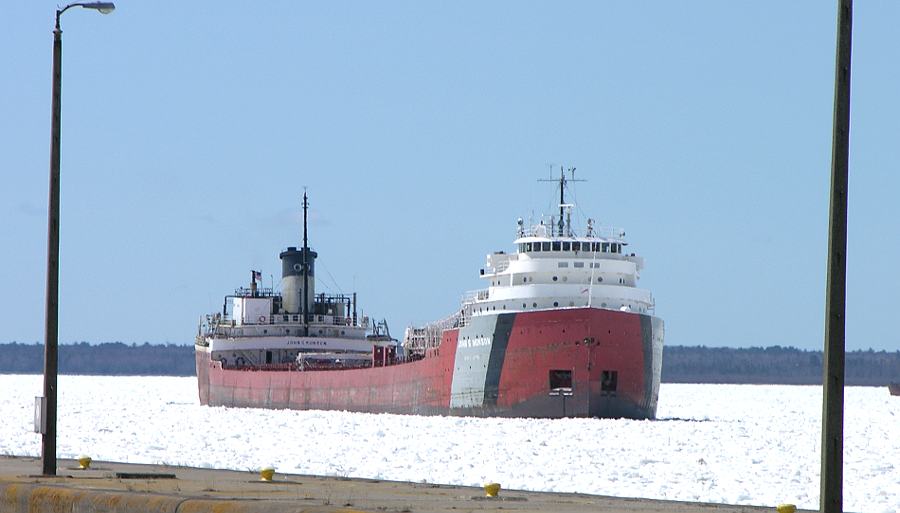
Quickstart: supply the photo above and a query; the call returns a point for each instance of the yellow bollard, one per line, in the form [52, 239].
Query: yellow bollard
[492, 489]
[266, 473]
[84, 462]
[785, 508]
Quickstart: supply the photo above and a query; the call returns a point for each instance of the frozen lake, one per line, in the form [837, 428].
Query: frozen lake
[736, 444]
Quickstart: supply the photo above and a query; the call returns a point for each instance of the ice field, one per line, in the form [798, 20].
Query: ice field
[736, 444]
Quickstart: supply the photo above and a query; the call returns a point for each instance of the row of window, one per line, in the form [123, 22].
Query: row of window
[535, 305]
[578, 265]
[526, 279]
[287, 331]
[588, 247]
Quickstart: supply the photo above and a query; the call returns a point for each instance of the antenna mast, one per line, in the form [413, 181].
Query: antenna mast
[305, 257]
[562, 198]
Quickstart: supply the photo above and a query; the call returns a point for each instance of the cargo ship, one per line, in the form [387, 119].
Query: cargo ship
[561, 330]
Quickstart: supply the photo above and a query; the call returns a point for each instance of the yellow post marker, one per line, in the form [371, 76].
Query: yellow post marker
[266, 473]
[492, 489]
[84, 462]
[785, 508]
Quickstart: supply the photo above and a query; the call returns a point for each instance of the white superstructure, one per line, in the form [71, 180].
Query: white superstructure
[554, 268]
[259, 327]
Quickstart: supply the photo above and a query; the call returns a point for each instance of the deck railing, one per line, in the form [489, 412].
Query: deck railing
[598, 232]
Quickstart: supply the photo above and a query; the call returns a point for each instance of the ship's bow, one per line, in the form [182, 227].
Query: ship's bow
[201, 354]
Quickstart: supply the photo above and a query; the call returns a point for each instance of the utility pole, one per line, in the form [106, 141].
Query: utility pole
[831, 498]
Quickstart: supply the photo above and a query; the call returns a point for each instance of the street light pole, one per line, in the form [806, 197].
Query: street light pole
[51, 331]
[831, 499]
[51, 326]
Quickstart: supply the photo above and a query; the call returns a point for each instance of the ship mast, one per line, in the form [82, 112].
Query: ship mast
[305, 269]
[562, 198]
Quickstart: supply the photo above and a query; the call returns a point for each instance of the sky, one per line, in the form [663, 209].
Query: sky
[189, 131]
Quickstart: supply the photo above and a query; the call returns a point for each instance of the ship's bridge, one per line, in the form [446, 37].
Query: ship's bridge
[556, 269]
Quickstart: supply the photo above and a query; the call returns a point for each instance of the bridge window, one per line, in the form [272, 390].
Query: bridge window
[556, 246]
[545, 246]
[567, 246]
[605, 247]
[527, 247]
[521, 247]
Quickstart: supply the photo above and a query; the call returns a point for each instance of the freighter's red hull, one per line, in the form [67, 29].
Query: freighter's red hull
[502, 365]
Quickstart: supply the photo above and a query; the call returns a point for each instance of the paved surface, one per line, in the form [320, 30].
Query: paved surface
[99, 490]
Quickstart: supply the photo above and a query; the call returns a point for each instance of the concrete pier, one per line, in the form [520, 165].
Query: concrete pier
[108, 487]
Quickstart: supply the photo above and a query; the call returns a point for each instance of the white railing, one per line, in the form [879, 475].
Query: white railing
[290, 320]
[545, 231]
[417, 339]
[295, 319]
[475, 295]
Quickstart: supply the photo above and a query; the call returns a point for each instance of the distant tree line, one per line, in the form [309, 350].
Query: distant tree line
[107, 359]
[681, 364]
[773, 365]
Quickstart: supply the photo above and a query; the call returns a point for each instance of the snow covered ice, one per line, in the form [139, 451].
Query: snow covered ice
[736, 444]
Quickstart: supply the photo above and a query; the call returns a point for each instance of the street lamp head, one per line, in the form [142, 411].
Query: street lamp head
[103, 7]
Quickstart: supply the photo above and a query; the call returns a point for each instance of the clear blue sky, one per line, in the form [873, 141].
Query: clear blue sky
[190, 128]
